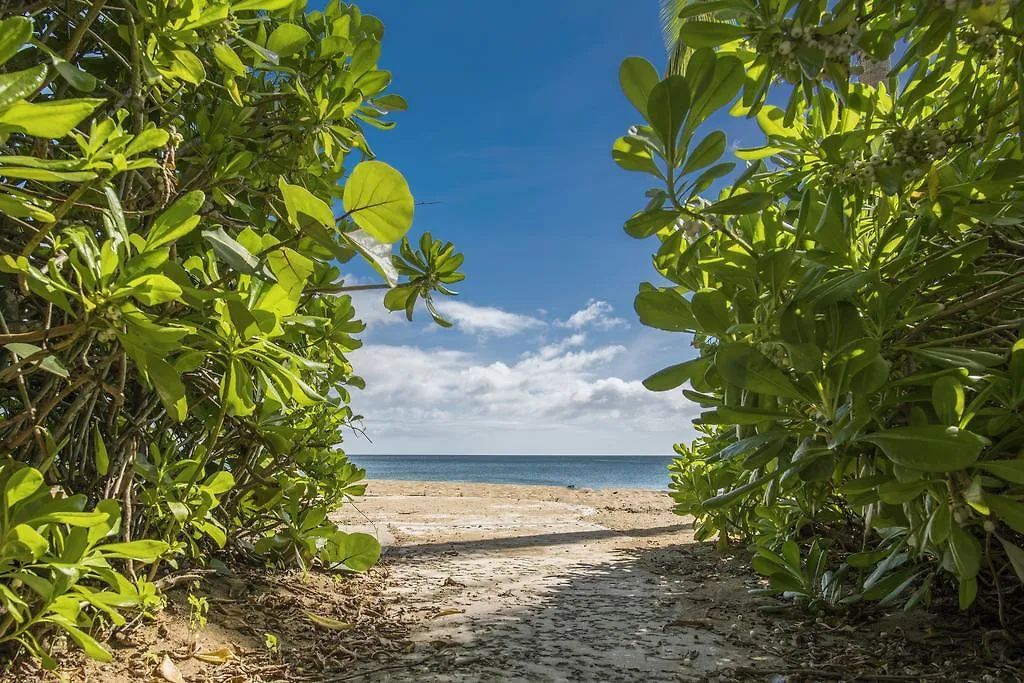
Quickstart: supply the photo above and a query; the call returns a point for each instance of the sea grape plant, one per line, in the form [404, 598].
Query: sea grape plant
[180, 182]
[853, 286]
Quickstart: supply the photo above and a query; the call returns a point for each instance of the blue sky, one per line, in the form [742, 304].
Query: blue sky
[513, 110]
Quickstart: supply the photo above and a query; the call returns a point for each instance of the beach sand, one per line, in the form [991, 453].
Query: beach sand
[495, 582]
[509, 582]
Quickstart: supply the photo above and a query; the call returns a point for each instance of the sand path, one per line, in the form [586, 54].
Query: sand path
[562, 586]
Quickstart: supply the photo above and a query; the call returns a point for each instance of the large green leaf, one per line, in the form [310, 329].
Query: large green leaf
[1008, 510]
[287, 39]
[747, 368]
[706, 153]
[637, 77]
[675, 375]
[748, 202]
[176, 221]
[14, 86]
[697, 34]
[14, 33]
[302, 205]
[21, 485]
[667, 107]
[664, 310]
[377, 198]
[358, 551]
[48, 119]
[930, 448]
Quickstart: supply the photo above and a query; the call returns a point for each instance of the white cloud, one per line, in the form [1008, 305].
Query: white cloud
[560, 398]
[595, 314]
[486, 319]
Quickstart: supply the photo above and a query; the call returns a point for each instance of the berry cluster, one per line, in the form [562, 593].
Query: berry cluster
[786, 40]
[909, 151]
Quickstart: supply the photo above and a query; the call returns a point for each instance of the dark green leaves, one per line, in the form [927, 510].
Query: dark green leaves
[930, 448]
[14, 32]
[667, 107]
[739, 204]
[177, 221]
[665, 310]
[747, 368]
[697, 34]
[706, 153]
[637, 77]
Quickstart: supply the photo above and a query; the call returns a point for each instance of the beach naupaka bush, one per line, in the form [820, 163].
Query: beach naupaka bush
[853, 285]
[180, 181]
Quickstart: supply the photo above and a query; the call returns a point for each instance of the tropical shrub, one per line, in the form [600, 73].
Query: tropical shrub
[854, 291]
[180, 181]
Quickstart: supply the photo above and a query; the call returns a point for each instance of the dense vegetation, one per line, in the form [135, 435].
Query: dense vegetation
[179, 181]
[855, 290]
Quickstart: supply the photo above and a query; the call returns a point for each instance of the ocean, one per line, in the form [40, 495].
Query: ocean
[581, 471]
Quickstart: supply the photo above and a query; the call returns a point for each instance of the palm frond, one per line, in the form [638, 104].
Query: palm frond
[669, 13]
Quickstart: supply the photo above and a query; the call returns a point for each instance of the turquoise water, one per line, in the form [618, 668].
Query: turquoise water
[581, 471]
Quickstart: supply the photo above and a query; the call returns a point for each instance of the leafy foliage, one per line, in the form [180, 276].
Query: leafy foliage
[855, 292]
[179, 182]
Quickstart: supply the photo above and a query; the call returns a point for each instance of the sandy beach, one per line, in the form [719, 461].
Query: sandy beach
[496, 582]
[510, 582]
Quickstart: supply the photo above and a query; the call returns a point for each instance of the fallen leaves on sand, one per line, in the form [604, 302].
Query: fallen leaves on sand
[169, 671]
[446, 613]
[218, 656]
[328, 622]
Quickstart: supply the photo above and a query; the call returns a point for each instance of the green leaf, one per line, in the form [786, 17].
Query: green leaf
[77, 78]
[664, 310]
[377, 198]
[1008, 510]
[19, 84]
[748, 202]
[976, 361]
[697, 34]
[28, 538]
[301, 203]
[631, 155]
[50, 363]
[151, 290]
[667, 107]
[176, 221]
[930, 448]
[287, 39]
[21, 485]
[89, 645]
[711, 309]
[48, 119]
[219, 482]
[228, 59]
[1016, 557]
[145, 550]
[264, 5]
[169, 387]
[646, 223]
[358, 552]
[675, 375]
[1007, 470]
[966, 552]
[948, 399]
[102, 458]
[233, 253]
[747, 368]
[14, 33]
[637, 77]
[707, 152]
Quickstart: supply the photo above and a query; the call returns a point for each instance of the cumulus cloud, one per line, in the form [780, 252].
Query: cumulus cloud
[560, 397]
[486, 319]
[595, 314]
